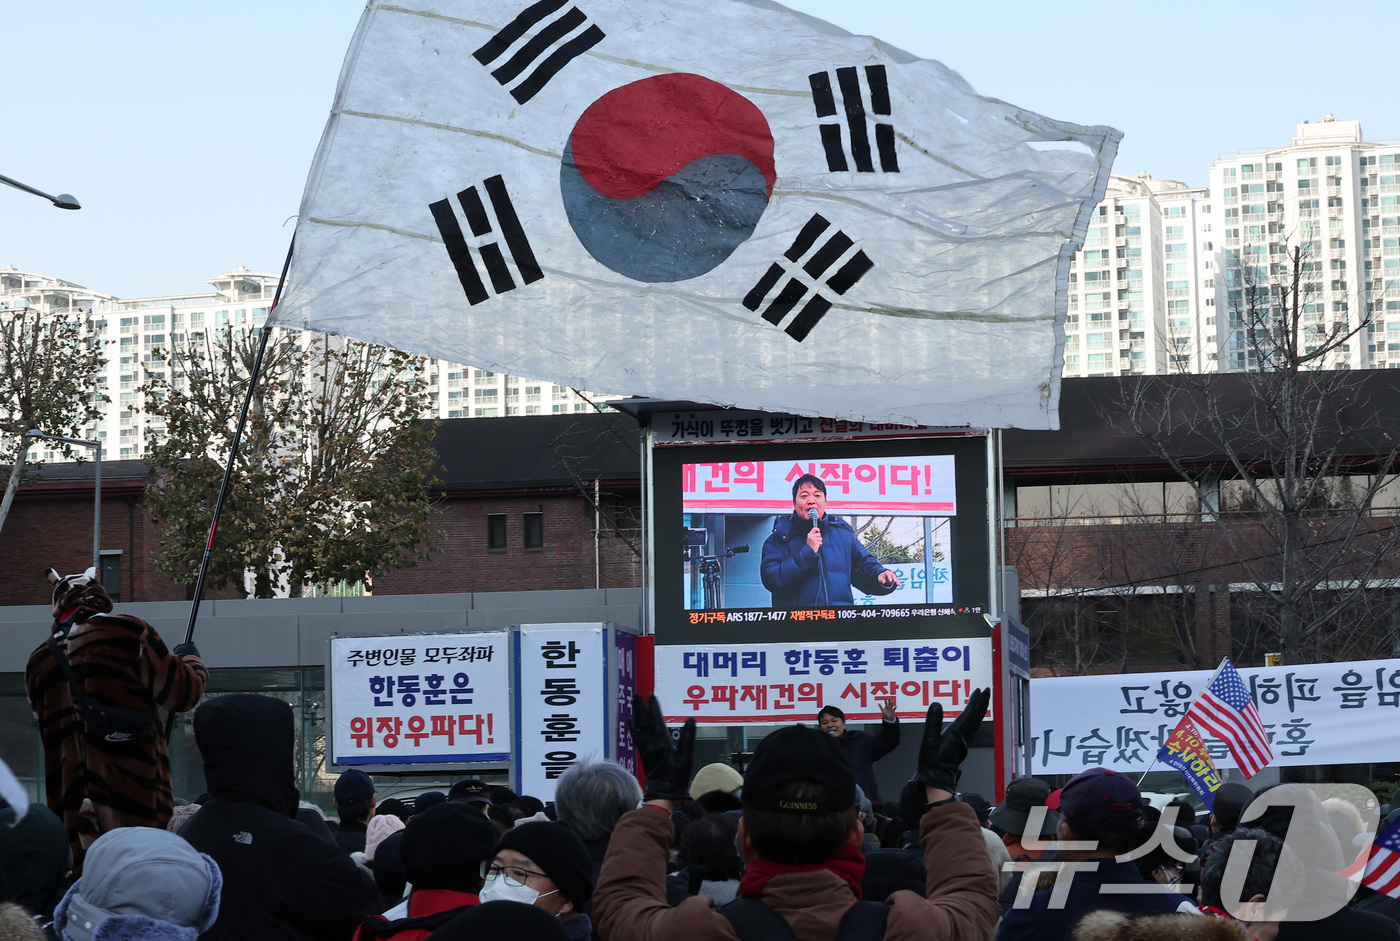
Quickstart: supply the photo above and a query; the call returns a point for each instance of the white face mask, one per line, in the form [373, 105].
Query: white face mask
[498, 890]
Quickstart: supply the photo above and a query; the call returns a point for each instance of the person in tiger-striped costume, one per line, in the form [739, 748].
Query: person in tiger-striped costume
[119, 660]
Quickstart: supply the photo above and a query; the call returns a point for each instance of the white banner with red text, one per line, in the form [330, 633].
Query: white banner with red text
[889, 486]
[790, 682]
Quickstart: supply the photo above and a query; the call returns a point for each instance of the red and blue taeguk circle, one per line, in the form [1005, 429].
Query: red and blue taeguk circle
[662, 179]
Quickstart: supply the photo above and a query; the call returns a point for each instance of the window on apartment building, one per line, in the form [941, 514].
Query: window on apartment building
[534, 530]
[496, 531]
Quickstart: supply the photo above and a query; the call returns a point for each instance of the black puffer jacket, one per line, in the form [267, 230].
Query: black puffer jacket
[280, 880]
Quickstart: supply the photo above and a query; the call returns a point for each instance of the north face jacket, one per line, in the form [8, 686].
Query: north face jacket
[281, 881]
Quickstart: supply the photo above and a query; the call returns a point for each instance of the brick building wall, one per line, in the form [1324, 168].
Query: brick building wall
[50, 525]
[464, 561]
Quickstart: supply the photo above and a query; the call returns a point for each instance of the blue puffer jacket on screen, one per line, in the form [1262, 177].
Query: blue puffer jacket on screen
[794, 573]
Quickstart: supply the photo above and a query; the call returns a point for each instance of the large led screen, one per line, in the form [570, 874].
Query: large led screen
[875, 538]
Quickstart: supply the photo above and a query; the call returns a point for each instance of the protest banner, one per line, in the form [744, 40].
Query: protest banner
[418, 699]
[1314, 714]
[790, 682]
[561, 703]
[625, 656]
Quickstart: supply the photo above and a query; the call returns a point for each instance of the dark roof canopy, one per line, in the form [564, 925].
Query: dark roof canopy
[1098, 437]
[1095, 440]
[537, 451]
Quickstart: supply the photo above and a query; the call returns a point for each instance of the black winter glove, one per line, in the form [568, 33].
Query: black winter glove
[186, 650]
[941, 752]
[667, 765]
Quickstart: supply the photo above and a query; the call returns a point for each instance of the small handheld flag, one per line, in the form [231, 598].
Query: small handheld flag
[1185, 750]
[1382, 871]
[1225, 710]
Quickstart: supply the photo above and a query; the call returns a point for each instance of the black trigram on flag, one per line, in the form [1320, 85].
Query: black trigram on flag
[510, 230]
[853, 104]
[819, 261]
[530, 59]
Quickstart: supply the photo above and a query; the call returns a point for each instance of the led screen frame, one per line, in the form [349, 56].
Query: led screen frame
[685, 607]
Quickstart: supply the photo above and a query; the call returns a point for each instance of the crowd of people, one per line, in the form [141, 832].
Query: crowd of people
[792, 847]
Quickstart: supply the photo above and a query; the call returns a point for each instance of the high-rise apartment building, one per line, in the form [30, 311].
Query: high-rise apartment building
[1333, 195]
[1133, 288]
[131, 330]
[1162, 284]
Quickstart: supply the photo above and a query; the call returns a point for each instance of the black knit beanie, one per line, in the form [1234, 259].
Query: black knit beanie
[558, 852]
[444, 847]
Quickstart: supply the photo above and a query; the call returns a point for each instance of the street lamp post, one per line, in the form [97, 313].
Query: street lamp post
[62, 200]
[96, 447]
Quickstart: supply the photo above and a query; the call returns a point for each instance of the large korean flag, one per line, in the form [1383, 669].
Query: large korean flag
[721, 201]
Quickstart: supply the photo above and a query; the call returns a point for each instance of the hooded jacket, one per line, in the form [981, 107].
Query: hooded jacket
[281, 881]
[799, 578]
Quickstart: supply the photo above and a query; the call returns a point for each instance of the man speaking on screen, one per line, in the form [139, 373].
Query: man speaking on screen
[813, 559]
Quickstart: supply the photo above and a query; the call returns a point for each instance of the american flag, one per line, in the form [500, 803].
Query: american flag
[1383, 868]
[1225, 711]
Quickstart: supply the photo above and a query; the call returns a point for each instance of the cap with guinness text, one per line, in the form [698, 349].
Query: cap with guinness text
[799, 753]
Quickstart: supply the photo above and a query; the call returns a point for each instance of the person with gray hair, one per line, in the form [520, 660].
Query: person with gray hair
[590, 798]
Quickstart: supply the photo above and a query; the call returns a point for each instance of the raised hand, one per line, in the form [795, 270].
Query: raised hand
[666, 763]
[942, 751]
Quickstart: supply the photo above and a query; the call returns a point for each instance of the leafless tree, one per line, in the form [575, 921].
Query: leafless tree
[1292, 457]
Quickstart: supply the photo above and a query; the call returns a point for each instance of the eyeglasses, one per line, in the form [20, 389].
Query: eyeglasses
[514, 875]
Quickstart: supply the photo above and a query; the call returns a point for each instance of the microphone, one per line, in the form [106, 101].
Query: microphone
[812, 515]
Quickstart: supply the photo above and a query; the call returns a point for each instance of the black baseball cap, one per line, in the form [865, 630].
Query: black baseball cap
[1230, 801]
[799, 753]
[353, 785]
[470, 791]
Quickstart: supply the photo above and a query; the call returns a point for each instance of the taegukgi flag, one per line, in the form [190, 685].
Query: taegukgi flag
[713, 200]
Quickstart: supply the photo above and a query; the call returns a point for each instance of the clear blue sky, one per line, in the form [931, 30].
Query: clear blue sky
[186, 129]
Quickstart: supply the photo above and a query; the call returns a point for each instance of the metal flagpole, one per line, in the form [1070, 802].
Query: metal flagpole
[232, 456]
[1223, 661]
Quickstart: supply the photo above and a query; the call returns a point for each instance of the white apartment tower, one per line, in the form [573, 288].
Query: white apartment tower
[131, 330]
[1334, 195]
[1134, 288]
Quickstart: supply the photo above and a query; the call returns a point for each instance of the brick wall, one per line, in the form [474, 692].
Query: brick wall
[55, 530]
[47, 529]
[462, 560]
